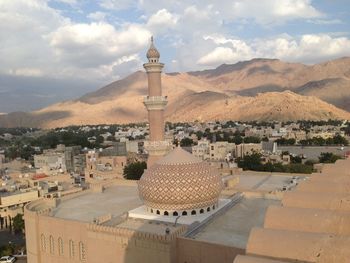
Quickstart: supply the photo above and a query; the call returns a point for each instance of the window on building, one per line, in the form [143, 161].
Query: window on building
[175, 214]
[52, 245]
[166, 213]
[60, 246]
[184, 213]
[82, 252]
[193, 212]
[71, 249]
[43, 242]
[201, 211]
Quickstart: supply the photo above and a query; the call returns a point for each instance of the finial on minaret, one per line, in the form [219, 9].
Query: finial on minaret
[152, 53]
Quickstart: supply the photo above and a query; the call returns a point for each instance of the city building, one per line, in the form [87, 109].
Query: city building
[60, 160]
[102, 166]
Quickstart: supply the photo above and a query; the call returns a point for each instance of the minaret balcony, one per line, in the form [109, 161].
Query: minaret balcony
[159, 148]
[155, 102]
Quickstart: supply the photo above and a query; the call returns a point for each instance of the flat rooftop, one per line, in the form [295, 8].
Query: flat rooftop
[233, 227]
[115, 200]
[263, 182]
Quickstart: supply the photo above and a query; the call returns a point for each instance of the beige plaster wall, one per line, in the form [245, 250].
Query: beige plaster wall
[308, 220]
[332, 201]
[250, 259]
[102, 244]
[302, 246]
[323, 187]
[194, 251]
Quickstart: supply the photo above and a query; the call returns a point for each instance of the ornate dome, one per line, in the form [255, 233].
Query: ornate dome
[179, 183]
[152, 51]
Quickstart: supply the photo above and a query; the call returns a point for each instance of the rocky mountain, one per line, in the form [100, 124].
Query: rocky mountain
[259, 89]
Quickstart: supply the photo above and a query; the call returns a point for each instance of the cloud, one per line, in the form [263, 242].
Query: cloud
[97, 16]
[117, 4]
[48, 44]
[308, 48]
[96, 44]
[274, 12]
[161, 21]
[325, 21]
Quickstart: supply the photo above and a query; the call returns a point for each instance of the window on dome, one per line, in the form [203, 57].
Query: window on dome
[208, 209]
[184, 213]
[158, 212]
[201, 211]
[175, 214]
[166, 213]
[193, 212]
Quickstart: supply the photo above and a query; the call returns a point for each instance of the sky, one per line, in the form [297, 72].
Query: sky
[81, 45]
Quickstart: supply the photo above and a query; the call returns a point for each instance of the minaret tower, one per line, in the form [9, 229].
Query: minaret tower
[155, 104]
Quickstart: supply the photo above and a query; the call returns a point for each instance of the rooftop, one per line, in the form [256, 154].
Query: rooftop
[115, 200]
[233, 227]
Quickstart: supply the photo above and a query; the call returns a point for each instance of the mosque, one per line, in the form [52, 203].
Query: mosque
[181, 211]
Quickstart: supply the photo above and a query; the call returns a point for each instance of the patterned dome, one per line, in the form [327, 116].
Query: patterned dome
[180, 182]
[152, 51]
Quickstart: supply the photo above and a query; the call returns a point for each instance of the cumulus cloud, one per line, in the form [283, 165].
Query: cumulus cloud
[161, 21]
[117, 4]
[309, 48]
[48, 44]
[95, 44]
[97, 16]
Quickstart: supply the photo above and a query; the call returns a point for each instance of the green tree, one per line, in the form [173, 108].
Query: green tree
[186, 142]
[250, 162]
[251, 139]
[328, 157]
[134, 171]
[18, 223]
[7, 250]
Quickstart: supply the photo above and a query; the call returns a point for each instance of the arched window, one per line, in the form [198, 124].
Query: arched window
[158, 212]
[184, 213]
[151, 210]
[166, 213]
[52, 245]
[193, 212]
[43, 242]
[175, 214]
[71, 249]
[60, 246]
[201, 211]
[208, 209]
[213, 207]
[82, 252]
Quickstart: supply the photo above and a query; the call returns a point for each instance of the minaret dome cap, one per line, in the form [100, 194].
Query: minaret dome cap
[152, 51]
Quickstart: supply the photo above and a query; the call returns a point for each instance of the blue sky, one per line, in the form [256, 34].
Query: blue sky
[96, 42]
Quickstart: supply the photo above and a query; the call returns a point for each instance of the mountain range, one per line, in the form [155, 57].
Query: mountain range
[258, 89]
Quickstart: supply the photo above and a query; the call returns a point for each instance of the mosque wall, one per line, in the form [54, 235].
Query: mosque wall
[196, 251]
[55, 240]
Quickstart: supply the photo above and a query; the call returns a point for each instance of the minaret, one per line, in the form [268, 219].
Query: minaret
[155, 104]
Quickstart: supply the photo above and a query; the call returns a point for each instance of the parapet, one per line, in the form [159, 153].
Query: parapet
[332, 201]
[298, 246]
[323, 187]
[250, 259]
[308, 220]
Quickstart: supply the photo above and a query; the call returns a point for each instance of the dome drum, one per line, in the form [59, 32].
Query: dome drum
[188, 212]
